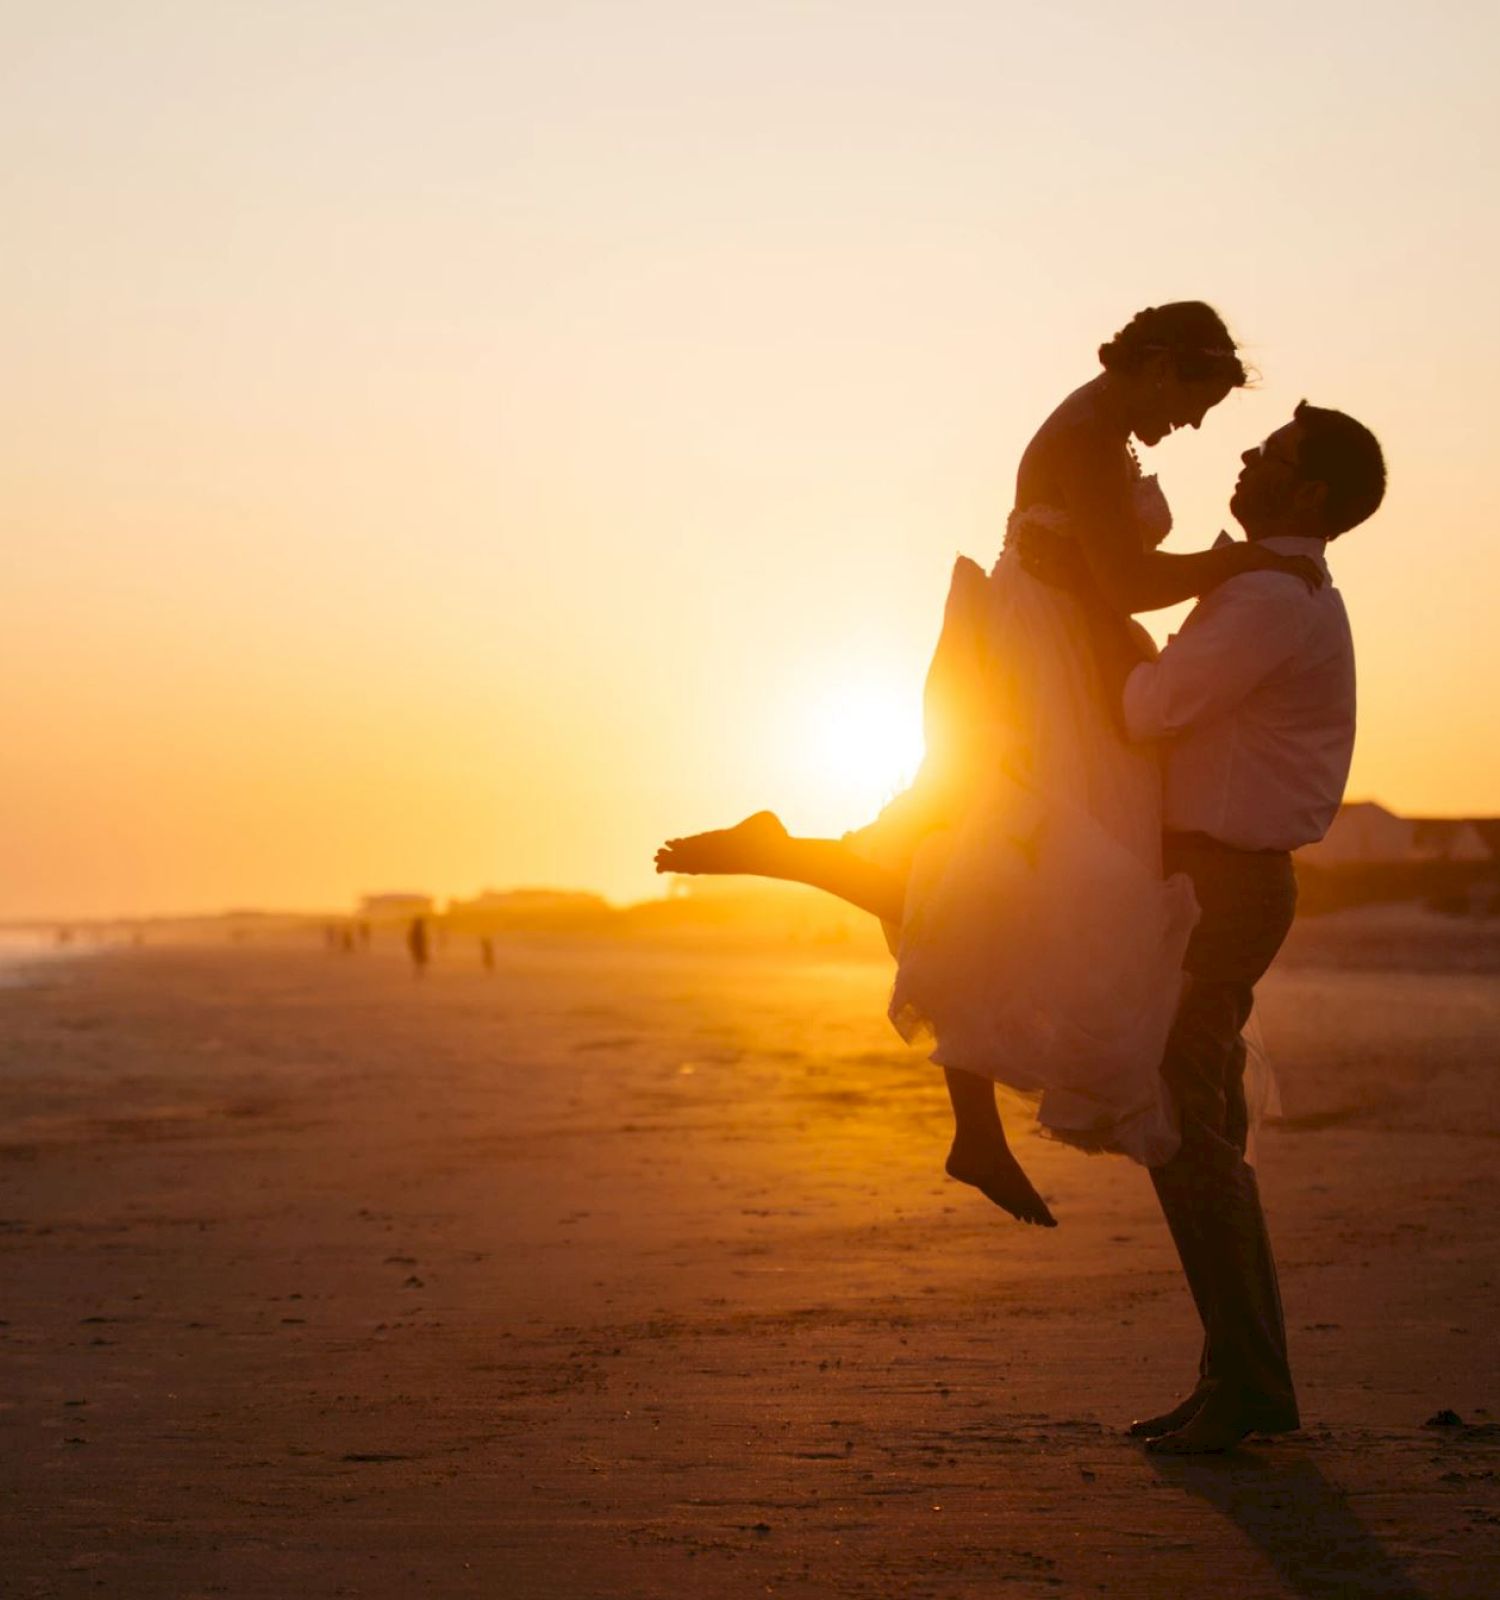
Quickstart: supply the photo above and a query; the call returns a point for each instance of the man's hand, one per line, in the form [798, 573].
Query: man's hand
[1051, 558]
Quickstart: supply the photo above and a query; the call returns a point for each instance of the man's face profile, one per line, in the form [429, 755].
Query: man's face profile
[1268, 482]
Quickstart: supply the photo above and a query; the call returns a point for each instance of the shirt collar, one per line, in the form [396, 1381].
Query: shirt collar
[1287, 545]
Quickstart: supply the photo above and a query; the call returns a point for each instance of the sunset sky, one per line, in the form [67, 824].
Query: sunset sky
[460, 444]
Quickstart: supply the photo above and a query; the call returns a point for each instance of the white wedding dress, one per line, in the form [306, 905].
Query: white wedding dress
[1039, 945]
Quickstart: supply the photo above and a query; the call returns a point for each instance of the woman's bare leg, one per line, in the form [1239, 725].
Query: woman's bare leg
[761, 847]
[981, 1155]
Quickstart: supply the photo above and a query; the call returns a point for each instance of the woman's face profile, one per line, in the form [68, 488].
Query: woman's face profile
[1170, 403]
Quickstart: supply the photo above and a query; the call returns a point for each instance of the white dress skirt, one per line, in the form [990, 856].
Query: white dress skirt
[1039, 945]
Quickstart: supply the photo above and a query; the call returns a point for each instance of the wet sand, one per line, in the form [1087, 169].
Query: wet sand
[631, 1271]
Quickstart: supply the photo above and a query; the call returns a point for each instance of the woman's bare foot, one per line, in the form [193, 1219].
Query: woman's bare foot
[757, 845]
[981, 1155]
[997, 1175]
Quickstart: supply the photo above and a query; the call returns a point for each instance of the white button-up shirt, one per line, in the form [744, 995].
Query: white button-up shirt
[1255, 700]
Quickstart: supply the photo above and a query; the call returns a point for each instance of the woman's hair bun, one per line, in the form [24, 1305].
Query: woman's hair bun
[1192, 333]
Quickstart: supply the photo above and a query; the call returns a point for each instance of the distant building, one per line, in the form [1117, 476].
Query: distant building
[1366, 834]
[527, 900]
[1362, 831]
[1449, 839]
[380, 907]
[534, 910]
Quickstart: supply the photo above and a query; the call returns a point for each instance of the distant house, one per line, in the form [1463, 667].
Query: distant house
[528, 900]
[532, 909]
[1449, 839]
[1366, 834]
[380, 907]
[1362, 832]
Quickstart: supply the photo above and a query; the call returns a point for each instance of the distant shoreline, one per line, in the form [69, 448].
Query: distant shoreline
[21, 955]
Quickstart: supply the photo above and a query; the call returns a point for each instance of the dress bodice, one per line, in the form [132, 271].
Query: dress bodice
[1152, 513]
[1149, 509]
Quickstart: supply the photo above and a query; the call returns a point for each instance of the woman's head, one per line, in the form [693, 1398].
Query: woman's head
[1173, 364]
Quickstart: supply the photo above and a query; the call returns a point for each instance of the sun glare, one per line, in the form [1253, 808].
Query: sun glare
[863, 744]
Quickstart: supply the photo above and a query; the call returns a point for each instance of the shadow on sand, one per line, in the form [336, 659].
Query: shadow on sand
[1300, 1521]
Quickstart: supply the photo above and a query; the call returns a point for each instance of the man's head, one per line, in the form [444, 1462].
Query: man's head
[1317, 477]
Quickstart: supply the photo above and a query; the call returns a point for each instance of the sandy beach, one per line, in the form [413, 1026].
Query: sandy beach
[630, 1270]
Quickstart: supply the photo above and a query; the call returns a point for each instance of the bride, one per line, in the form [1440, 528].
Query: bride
[1019, 877]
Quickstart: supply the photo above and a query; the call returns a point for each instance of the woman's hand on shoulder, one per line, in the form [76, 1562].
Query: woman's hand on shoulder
[1303, 568]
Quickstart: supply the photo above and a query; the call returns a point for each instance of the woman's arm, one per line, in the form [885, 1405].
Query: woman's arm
[1099, 486]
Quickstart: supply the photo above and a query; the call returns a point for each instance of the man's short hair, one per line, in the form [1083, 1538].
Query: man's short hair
[1345, 456]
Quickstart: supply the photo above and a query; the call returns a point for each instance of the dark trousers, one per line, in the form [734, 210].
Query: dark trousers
[1208, 1192]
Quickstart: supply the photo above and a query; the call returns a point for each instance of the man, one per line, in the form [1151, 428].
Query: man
[1254, 700]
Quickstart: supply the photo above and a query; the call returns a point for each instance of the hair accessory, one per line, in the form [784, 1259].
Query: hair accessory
[1220, 351]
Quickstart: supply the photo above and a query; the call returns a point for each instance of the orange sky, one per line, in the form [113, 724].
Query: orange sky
[460, 445]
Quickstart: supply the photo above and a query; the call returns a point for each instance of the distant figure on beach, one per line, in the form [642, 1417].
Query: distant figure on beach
[487, 953]
[1030, 803]
[417, 945]
[364, 935]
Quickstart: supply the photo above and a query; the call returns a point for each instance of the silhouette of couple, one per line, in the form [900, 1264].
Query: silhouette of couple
[1092, 867]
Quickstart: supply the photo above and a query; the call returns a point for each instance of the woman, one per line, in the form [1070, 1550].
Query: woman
[1019, 878]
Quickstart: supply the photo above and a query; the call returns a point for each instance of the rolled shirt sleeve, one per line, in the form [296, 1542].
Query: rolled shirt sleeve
[1232, 641]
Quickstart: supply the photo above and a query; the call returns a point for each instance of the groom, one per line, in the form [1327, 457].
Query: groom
[1254, 702]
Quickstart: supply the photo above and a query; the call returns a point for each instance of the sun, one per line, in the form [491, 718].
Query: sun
[862, 744]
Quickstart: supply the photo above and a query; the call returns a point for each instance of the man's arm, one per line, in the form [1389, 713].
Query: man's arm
[1229, 645]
